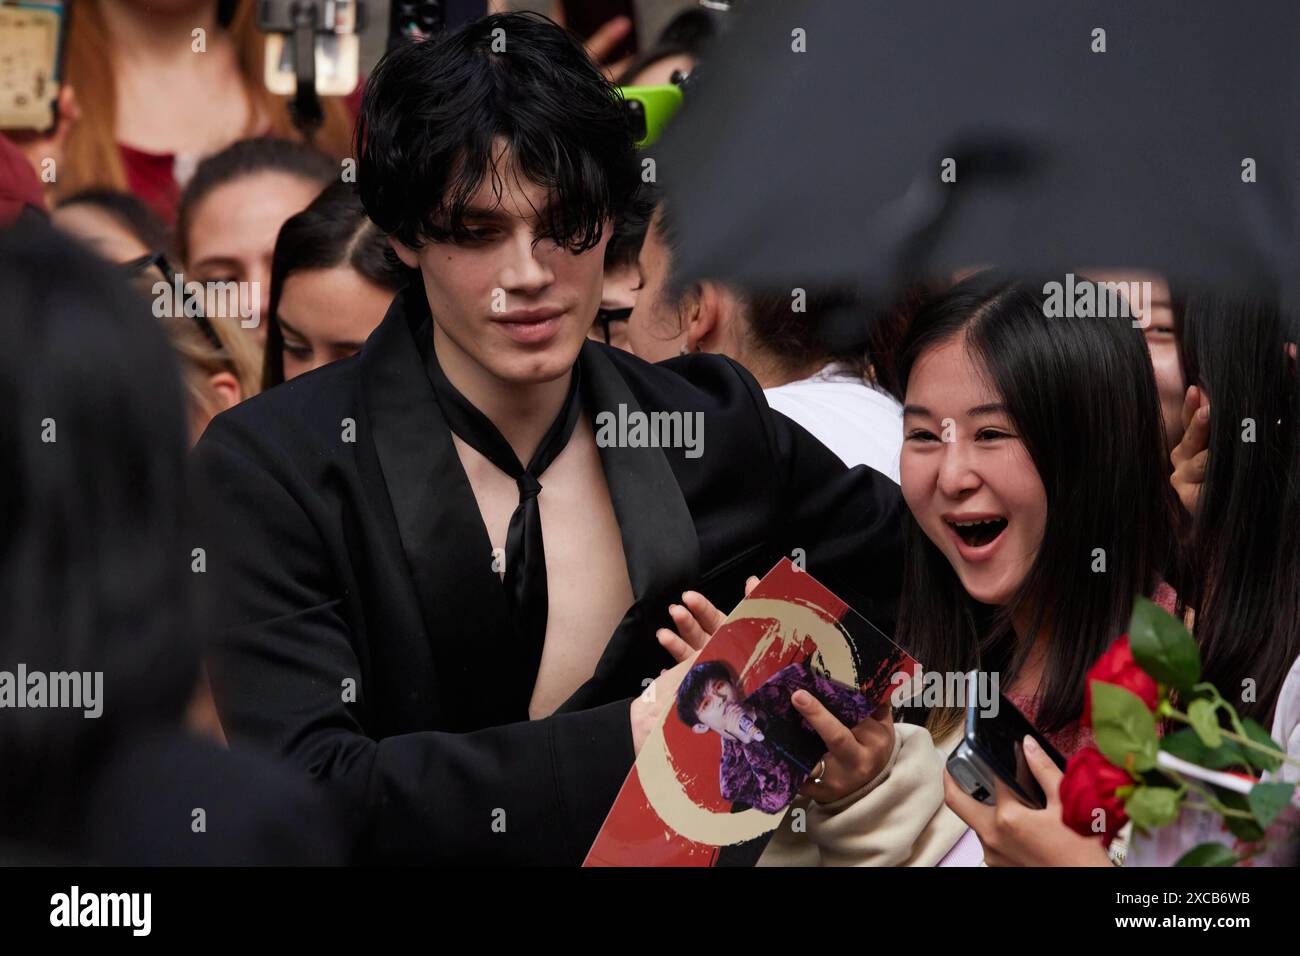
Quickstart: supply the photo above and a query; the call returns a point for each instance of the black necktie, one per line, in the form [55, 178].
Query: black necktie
[525, 571]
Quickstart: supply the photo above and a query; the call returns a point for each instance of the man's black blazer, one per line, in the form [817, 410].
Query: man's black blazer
[366, 638]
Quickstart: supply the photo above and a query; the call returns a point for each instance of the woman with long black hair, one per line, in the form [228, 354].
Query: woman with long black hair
[1033, 470]
[1033, 466]
[1238, 351]
[1237, 472]
[332, 280]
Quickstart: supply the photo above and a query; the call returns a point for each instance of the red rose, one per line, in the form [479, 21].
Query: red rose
[1089, 785]
[1118, 667]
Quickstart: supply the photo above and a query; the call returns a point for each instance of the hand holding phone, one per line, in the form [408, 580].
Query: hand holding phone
[992, 749]
[996, 783]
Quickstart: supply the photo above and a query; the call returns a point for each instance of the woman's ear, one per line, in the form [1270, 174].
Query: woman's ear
[410, 258]
[226, 390]
[709, 318]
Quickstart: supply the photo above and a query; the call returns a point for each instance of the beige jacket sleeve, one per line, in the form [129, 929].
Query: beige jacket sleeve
[897, 819]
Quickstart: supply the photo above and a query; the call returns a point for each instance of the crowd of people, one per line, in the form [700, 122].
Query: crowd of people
[363, 584]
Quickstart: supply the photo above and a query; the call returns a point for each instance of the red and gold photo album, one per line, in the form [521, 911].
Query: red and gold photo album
[714, 780]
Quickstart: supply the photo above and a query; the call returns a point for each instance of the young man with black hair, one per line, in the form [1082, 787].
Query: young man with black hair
[441, 594]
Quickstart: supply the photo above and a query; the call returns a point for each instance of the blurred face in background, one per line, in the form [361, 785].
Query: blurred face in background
[326, 315]
[510, 302]
[655, 330]
[1162, 345]
[232, 233]
[617, 297]
[100, 231]
[967, 477]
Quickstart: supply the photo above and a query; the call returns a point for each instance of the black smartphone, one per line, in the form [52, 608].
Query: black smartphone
[992, 748]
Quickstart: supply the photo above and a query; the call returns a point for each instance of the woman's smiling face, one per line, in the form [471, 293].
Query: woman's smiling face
[967, 476]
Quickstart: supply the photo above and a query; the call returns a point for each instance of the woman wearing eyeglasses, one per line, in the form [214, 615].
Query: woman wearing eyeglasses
[220, 367]
[622, 281]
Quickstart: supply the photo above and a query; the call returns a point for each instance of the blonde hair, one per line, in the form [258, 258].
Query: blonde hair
[234, 351]
[92, 158]
[200, 359]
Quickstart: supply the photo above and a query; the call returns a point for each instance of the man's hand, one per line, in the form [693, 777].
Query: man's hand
[1015, 835]
[697, 620]
[854, 755]
[1191, 454]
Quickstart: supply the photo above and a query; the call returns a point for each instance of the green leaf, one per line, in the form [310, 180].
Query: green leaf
[1162, 647]
[1208, 854]
[1153, 807]
[1267, 800]
[1124, 728]
[1261, 736]
[1244, 829]
[1205, 721]
[1230, 798]
[1185, 744]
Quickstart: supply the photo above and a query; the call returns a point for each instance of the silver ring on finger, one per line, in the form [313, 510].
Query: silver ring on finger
[819, 771]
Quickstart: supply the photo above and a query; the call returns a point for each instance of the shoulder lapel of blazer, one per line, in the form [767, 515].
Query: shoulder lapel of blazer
[442, 533]
[658, 531]
[659, 539]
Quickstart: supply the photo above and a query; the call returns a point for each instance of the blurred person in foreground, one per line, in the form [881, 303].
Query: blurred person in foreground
[98, 596]
[398, 624]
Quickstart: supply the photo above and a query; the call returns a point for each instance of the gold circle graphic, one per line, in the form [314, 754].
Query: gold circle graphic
[793, 623]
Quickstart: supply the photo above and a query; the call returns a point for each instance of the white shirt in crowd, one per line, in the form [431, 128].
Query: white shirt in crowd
[861, 424]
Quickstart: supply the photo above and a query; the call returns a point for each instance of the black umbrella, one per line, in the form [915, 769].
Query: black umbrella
[790, 168]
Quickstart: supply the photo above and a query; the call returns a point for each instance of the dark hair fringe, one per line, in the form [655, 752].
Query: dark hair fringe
[433, 113]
